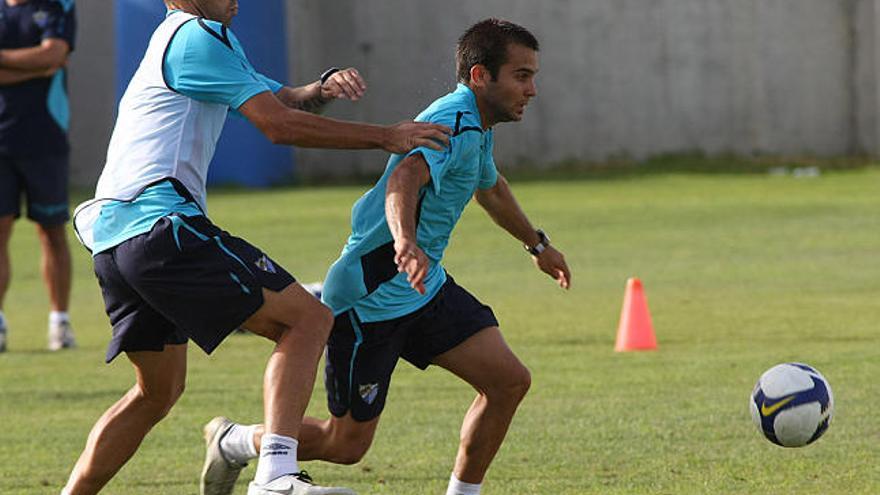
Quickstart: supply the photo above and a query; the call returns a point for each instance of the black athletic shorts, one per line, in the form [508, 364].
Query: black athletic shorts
[361, 356]
[184, 279]
[42, 180]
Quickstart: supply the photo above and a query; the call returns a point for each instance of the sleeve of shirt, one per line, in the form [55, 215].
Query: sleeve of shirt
[488, 172]
[203, 63]
[61, 23]
[440, 162]
[274, 86]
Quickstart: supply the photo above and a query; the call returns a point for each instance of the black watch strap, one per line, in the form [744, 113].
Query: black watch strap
[327, 73]
[543, 242]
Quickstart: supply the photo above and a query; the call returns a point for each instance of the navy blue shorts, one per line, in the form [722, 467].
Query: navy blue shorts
[42, 180]
[184, 280]
[361, 356]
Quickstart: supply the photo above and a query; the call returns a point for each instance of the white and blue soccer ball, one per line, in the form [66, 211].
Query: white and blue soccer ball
[792, 404]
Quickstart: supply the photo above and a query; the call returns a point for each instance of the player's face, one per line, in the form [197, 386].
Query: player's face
[219, 10]
[508, 96]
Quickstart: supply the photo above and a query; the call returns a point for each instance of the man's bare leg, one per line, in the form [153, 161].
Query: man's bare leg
[6, 223]
[55, 264]
[486, 362]
[116, 436]
[501, 381]
[300, 326]
[337, 440]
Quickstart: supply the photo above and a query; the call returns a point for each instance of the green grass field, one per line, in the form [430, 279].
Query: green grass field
[741, 272]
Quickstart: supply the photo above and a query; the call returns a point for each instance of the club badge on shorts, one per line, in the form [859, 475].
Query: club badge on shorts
[265, 264]
[368, 392]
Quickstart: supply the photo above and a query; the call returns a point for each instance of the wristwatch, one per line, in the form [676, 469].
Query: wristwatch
[327, 73]
[543, 242]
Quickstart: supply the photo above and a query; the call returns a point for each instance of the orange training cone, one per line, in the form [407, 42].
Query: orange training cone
[635, 332]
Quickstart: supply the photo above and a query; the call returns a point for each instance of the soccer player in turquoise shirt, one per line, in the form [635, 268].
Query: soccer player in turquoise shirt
[390, 294]
[169, 275]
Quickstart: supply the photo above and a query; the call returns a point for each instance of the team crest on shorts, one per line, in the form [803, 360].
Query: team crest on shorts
[368, 392]
[265, 264]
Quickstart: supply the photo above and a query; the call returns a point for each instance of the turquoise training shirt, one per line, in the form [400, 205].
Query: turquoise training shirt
[365, 277]
[206, 62]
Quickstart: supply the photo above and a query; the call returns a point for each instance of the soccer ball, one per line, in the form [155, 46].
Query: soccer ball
[792, 404]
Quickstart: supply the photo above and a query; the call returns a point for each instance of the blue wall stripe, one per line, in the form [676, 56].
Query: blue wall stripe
[243, 156]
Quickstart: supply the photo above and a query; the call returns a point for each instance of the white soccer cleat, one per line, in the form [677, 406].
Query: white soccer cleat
[295, 484]
[61, 336]
[314, 288]
[218, 474]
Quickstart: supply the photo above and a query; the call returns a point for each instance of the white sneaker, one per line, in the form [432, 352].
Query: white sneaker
[314, 288]
[294, 484]
[218, 475]
[61, 336]
[3, 332]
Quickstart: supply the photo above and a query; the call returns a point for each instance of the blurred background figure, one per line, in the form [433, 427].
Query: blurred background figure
[36, 37]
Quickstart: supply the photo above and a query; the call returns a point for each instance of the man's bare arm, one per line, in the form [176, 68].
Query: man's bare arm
[284, 125]
[343, 84]
[502, 206]
[401, 201]
[50, 54]
[11, 76]
[306, 98]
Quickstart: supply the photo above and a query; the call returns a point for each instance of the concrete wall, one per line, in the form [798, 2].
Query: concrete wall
[618, 77]
[92, 90]
[866, 84]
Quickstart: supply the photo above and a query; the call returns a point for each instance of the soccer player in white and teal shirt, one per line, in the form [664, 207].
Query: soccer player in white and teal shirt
[169, 275]
[391, 296]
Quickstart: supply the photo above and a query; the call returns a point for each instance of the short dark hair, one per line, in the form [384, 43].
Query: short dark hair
[486, 42]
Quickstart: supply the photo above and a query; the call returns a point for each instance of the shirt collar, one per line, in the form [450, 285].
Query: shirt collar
[463, 89]
[472, 98]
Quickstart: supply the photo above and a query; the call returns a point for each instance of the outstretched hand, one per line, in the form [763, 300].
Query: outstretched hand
[405, 136]
[552, 262]
[346, 84]
[410, 258]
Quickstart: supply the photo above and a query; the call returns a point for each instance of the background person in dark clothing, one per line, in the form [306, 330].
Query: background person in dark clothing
[36, 37]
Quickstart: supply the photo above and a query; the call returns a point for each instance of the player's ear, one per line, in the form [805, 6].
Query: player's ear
[480, 75]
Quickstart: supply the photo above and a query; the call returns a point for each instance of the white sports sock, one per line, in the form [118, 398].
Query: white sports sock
[237, 444]
[277, 458]
[56, 317]
[458, 487]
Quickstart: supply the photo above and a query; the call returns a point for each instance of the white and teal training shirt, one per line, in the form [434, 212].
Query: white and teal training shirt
[365, 277]
[168, 124]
